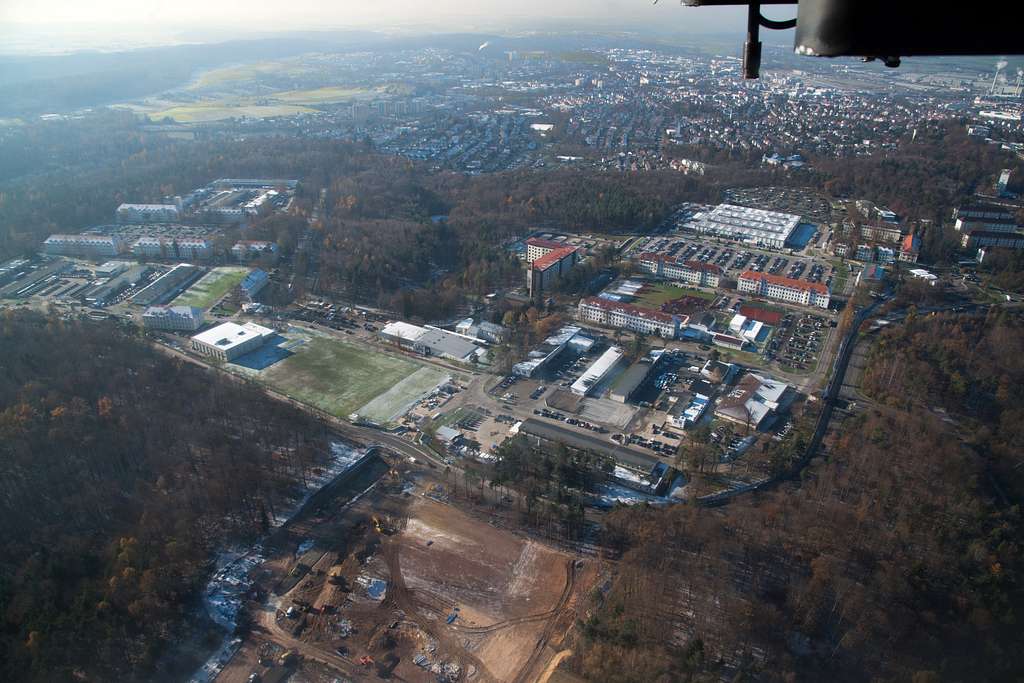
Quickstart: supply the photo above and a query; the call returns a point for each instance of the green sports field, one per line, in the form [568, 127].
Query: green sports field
[212, 287]
[655, 294]
[342, 378]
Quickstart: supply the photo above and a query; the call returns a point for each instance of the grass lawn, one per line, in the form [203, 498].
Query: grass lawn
[212, 287]
[342, 378]
[223, 109]
[319, 95]
[840, 276]
[655, 294]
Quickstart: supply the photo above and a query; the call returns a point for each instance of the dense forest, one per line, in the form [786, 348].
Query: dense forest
[896, 558]
[121, 471]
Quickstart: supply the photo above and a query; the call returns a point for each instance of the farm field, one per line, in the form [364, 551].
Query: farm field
[342, 378]
[656, 294]
[212, 287]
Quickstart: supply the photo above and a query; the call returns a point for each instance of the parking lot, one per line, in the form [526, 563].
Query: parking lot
[798, 341]
[733, 259]
[808, 204]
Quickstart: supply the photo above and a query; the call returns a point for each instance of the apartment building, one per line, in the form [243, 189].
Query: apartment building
[182, 318]
[88, 245]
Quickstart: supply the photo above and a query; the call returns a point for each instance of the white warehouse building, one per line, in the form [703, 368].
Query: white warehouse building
[597, 371]
[231, 340]
[757, 227]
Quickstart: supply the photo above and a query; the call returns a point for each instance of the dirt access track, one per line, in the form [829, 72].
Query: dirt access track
[462, 600]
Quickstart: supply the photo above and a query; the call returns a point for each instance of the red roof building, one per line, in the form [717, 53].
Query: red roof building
[783, 288]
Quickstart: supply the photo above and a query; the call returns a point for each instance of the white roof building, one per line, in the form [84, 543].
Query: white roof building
[597, 371]
[230, 340]
[753, 226]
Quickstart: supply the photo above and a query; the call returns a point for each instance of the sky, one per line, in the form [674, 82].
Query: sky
[64, 24]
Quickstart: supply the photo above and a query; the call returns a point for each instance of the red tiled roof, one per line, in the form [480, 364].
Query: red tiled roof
[546, 244]
[763, 315]
[692, 265]
[783, 281]
[552, 257]
[630, 309]
[700, 265]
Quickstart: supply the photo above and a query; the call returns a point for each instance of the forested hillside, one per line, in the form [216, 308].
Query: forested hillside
[897, 558]
[120, 472]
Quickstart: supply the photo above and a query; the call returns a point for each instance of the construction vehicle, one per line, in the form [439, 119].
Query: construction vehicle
[382, 526]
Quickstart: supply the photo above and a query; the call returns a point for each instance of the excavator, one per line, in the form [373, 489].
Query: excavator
[883, 30]
[382, 525]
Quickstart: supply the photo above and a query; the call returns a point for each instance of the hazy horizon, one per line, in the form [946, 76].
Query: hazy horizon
[56, 26]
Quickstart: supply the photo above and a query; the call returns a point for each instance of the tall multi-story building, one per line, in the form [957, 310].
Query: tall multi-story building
[182, 318]
[537, 247]
[691, 272]
[628, 317]
[547, 269]
[782, 288]
[83, 245]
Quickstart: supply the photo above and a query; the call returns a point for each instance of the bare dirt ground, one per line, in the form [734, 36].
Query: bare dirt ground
[428, 590]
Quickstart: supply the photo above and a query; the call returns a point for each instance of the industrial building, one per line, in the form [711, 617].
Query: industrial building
[691, 414]
[634, 377]
[111, 268]
[754, 401]
[105, 291]
[547, 269]
[695, 273]
[757, 227]
[88, 245]
[544, 434]
[790, 290]
[431, 341]
[597, 371]
[228, 341]
[569, 337]
[484, 331]
[169, 285]
[180, 318]
[148, 213]
[629, 317]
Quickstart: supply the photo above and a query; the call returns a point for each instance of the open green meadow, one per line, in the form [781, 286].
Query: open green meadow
[656, 294]
[212, 287]
[342, 378]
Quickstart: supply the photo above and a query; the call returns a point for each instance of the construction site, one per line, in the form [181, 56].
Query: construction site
[385, 577]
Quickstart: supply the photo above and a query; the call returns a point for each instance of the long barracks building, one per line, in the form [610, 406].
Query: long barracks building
[628, 317]
[785, 289]
[691, 272]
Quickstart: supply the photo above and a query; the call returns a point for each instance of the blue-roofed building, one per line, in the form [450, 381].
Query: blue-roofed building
[254, 282]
